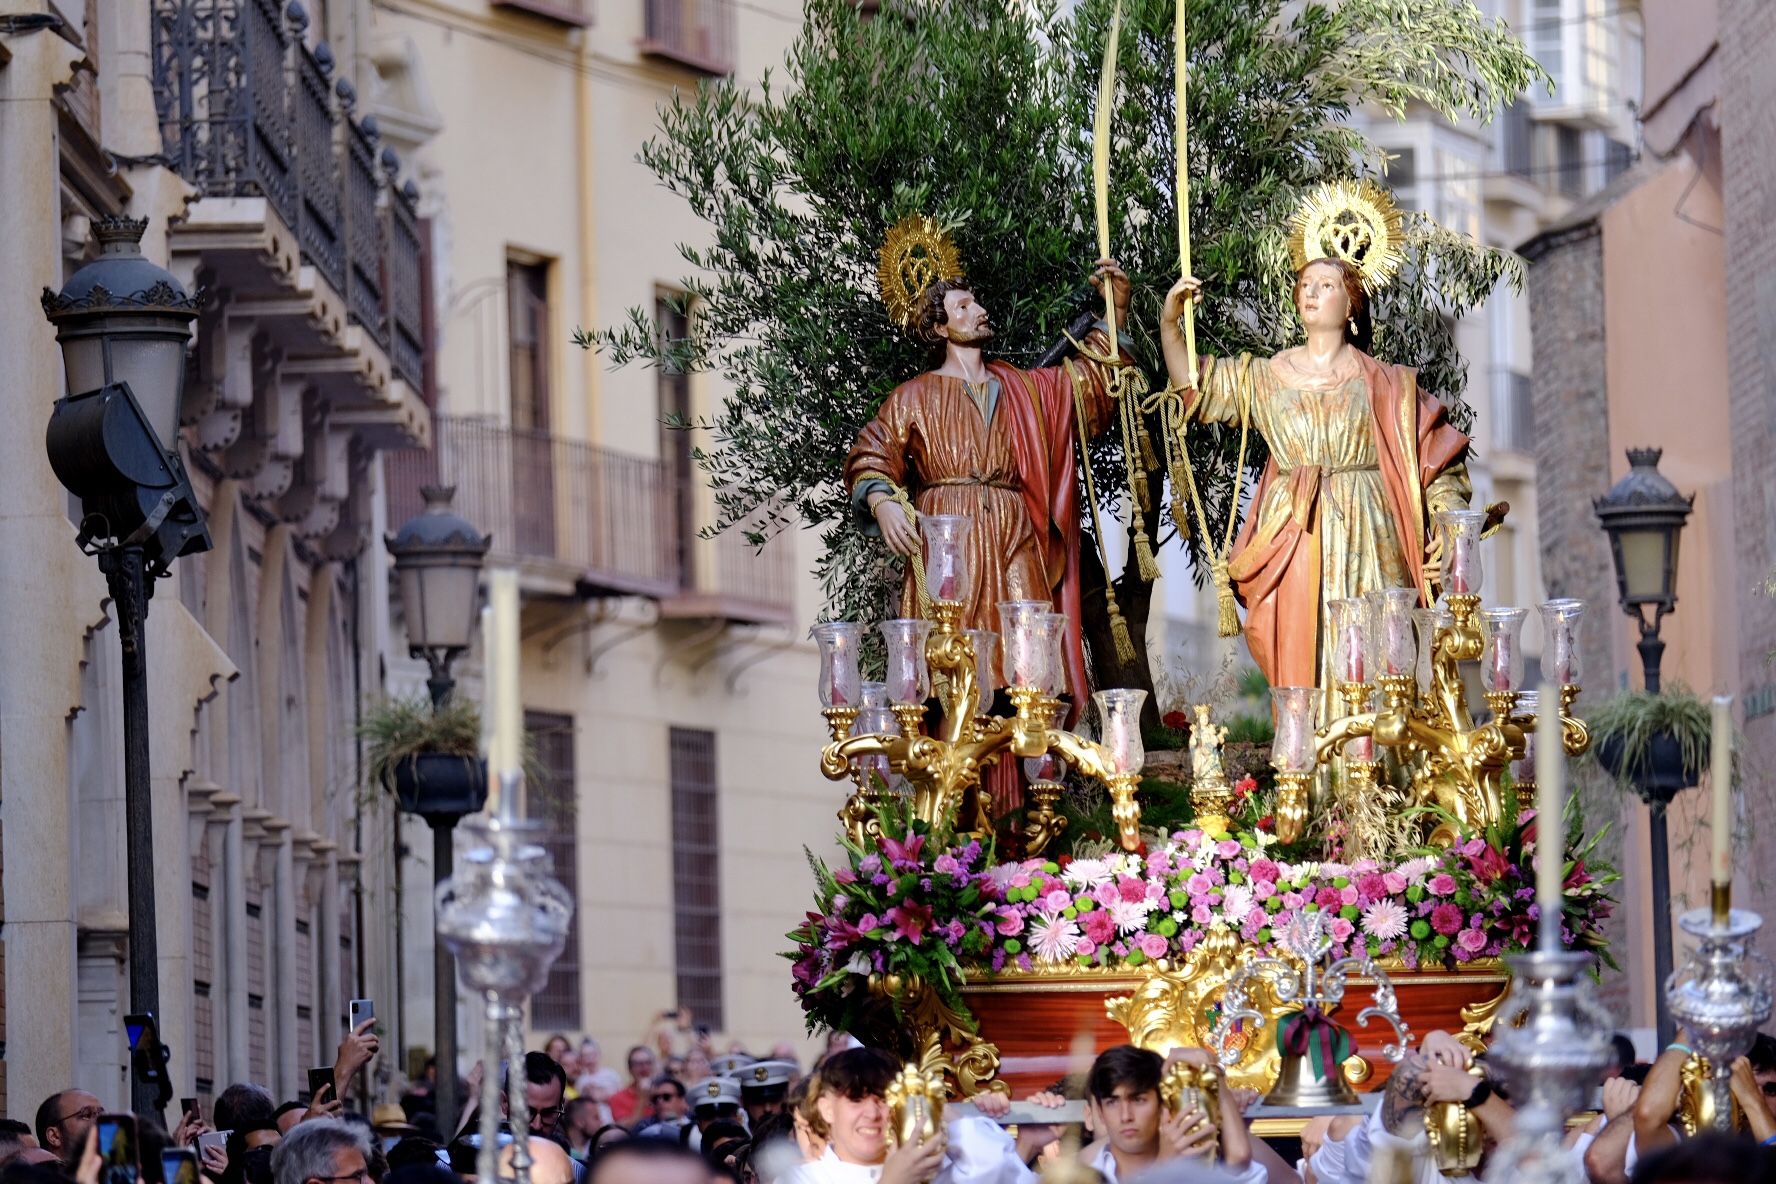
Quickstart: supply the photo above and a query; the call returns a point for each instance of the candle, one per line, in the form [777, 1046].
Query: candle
[508, 712]
[1550, 817]
[1720, 775]
[1353, 653]
[489, 645]
[1501, 662]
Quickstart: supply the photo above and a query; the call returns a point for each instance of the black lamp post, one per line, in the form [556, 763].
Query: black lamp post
[1644, 514]
[438, 557]
[123, 323]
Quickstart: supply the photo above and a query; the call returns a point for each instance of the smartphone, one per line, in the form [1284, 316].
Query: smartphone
[178, 1165]
[318, 1079]
[361, 1010]
[189, 1106]
[117, 1149]
[209, 1139]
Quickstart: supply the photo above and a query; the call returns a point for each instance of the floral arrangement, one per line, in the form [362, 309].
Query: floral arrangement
[913, 907]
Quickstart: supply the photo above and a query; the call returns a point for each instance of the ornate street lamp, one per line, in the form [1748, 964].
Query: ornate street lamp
[1644, 515]
[438, 557]
[123, 323]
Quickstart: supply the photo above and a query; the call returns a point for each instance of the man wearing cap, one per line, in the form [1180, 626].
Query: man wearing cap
[715, 1099]
[731, 1065]
[763, 1086]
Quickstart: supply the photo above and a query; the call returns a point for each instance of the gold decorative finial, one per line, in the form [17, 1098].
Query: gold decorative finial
[915, 254]
[1356, 221]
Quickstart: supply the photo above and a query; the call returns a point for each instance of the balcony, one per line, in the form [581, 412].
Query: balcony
[732, 580]
[311, 343]
[577, 518]
[572, 14]
[1513, 413]
[694, 33]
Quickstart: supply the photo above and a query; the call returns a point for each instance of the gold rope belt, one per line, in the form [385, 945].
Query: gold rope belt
[988, 482]
[1332, 470]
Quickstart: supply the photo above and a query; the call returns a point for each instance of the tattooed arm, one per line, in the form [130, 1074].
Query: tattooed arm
[1403, 1103]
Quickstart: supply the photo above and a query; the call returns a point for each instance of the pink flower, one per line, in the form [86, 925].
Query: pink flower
[1198, 884]
[1106, 894]
[1395, 882]
[911, 920]
[1341, 930]
[1384, 920]
[1156, 890]
[1264, 889]
[1442, 884]
[1266, 869]
[946, 865]
[1098, 926]
[1202, 914]
[845, 875]
[1153, 945]
[1057, 900]
[1228, 848]
[903, 852]
[1131, 889]
[1086, 946]
[1329, 899]
[1292, 900]
[1446, 918]
[1372, 887]
[1471, 940]
[1010, 924]
[868, 922]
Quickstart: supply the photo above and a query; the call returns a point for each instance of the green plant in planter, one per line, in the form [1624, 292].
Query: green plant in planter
[1652, 745]
[399, 731]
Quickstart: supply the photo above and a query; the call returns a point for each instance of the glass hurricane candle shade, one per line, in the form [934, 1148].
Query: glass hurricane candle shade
[1350, 639]
[1560, 640]
[1054, 626]
[1393, 646]
[840, 682]
[1292, 746]
[875, 719]
[1119, 725]
[1047, 767]
[909, 677]
[1022, 636]
[1428, 621]
[873, 695]
[946, 554]
[1460, 532]
[1501, 661]
[986, 664]
[1357, 748]
[1528, 705]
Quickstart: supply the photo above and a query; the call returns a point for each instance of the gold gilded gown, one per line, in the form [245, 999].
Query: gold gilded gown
[1356, 473]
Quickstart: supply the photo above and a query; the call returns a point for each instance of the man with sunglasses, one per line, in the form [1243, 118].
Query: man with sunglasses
[668, 1111]
[63, 1122]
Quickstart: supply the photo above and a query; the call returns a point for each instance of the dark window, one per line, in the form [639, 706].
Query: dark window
[1402, 168]
[675, 443]
[527, 311]
[1617, 157]
[696, 875]
[1569, 144]
[557, 1005]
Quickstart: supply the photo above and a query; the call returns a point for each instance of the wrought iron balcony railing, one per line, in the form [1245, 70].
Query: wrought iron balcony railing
[248, 110]
[1513, 411]
[694, 33]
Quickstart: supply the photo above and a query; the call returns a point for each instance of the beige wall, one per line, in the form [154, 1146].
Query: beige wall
[1667, 373]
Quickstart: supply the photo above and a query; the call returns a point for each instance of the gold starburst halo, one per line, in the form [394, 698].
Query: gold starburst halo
[915, 254]
[1356, 221]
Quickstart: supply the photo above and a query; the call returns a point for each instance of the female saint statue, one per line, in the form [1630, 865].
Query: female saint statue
[1360, 462]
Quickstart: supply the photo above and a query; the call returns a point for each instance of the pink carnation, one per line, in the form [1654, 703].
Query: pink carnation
[1153, 945]
[1446, 918]
[1266, 869]
[1373, 887]
[1329, 899]
[1098, 926]
[1131, 889]
[1442, 884]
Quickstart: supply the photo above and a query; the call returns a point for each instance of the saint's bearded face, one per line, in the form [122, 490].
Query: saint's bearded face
[965, 319]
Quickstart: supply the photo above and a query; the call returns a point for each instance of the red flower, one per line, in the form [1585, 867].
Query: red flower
[1489, 865]
[903, 854]
[1447, 918]
[1178, 721]
[1245, 786]
[911, 920]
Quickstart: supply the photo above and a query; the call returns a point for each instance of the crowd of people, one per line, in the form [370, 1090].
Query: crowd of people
[767, 1121]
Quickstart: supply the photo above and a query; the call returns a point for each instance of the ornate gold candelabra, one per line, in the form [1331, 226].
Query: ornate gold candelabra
[943, 766]
[1454, 763]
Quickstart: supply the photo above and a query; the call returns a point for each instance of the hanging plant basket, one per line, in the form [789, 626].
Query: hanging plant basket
[438, 785]
[1658, 774]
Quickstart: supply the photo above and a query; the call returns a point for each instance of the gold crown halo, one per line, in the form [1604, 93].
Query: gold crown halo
[915, 254]
[1356, 221]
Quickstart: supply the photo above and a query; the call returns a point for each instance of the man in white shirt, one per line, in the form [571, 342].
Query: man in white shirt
[967, 1151]
[1123, 1093]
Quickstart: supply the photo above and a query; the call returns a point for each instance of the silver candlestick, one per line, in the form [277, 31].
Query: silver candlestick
[1721, 996]
[505, 918]
[1551, 1043]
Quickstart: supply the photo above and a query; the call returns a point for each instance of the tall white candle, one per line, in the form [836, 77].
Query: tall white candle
[1550, 816]
[489, 647]
[508, 711]
[1720, 763]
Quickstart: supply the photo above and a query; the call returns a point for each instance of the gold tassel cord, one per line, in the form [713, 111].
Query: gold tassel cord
[1119, 630]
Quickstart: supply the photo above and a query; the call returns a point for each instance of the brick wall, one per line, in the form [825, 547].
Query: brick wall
[1571, 399]
[1747, 116]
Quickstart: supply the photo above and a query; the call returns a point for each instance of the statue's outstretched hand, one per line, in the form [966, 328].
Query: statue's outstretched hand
[897, 528]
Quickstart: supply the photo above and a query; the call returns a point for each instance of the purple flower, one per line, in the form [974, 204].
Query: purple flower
[946, 865]
[869, 865]
[845, 875]
[911, 919]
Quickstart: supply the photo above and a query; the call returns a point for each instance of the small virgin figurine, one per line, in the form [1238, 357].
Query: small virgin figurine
[1360, 458]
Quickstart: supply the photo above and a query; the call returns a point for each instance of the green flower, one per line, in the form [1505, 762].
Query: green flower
[1013, 946]
[1421, 929]
[1441, 941]
[1341, 882]
[1415, 893]
[1070, 912]
[1135, 958]
[1085, 904]
[1350, 912]
[1052, 868]
[1180, 899]
[1166, 927]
